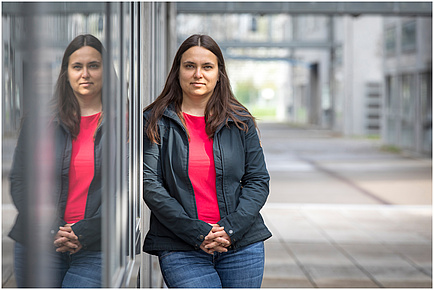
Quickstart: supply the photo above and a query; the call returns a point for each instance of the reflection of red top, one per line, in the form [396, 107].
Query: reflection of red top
[201, 169]
[81, 169]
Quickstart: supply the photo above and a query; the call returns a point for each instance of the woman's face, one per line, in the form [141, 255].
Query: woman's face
[85, 72]
[198, 73]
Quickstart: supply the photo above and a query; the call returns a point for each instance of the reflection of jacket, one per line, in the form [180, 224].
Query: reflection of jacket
[87, 230]
[241, 182]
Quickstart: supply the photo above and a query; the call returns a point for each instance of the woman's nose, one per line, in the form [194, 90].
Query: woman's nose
[85, 73]
[198, 73]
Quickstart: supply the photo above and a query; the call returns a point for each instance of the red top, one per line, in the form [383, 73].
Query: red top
[201, 169]
[81, 169]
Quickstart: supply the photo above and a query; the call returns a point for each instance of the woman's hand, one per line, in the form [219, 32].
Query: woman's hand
[66, 241]
[217, 240]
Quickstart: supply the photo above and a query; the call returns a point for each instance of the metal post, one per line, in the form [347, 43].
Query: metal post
[106, 182]
[39, 148]
[332, 91]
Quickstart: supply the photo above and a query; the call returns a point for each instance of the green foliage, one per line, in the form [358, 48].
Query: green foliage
[246, 92]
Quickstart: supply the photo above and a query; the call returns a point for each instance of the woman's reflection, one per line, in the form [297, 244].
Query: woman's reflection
[78, 135]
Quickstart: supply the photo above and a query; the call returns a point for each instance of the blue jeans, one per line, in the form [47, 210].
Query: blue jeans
[80, 270]
[239, 268]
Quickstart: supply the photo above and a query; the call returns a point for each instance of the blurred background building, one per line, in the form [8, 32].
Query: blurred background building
[357, 68]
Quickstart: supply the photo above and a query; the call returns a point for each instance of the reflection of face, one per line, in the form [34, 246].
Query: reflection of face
[85, 72]
[198, 73]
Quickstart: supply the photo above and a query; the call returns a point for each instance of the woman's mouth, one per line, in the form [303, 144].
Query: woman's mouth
[197, 84]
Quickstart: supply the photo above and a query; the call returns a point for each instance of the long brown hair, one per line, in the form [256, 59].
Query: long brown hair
[221, 106]
[67, 107]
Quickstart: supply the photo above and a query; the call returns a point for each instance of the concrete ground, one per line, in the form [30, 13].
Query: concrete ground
[343, 213]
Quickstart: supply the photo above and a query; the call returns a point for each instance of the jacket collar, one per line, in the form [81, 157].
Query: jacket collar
[171, 113]
[58, 122]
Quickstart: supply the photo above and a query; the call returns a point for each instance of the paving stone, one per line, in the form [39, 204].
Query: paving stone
[319, 254]
[392, 275]
[346, 283]
[275, 252]
[338, 276]
[421, 255]
[281, 270]
[291, 226]
[282, 282]
[284, 271]
[377, 255]
[408, 284]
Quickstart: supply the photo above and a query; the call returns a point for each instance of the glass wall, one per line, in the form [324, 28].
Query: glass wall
[408, 72]
[35, 36]
[137, 38]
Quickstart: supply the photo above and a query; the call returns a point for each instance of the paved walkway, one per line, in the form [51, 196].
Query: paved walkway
[343, 213]
[348, 246]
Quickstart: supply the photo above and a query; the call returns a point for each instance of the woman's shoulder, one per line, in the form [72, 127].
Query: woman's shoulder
[242, 116]
[146, 114]
[168, 115]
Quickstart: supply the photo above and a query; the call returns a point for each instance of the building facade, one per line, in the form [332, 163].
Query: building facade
[407, 119]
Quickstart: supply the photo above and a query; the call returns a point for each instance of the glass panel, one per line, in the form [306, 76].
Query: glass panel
[35, 36]
[394, 96]
[408, 37]
[390, 41]
[115, 95]
[408, 90]
[392, 131]
[407, 135]
[426, 112]
[392, 109]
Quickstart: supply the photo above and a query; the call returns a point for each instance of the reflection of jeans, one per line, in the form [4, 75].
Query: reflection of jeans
[239, 268]
[80, 270]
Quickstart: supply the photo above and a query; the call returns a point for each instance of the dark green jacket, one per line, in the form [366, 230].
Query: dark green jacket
[87, 230]
[242, 184]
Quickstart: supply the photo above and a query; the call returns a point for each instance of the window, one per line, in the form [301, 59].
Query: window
[426, 111]
[390, 41]
[408, 36]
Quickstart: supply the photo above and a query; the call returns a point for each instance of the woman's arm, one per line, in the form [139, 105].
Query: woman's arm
[254, 191]
[166, 208]
[88, 230]
[18, 181]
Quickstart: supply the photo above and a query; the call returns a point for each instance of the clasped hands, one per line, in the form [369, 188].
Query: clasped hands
[217, 240]
[65, 240]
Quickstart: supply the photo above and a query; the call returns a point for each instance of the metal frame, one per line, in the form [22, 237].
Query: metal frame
[134, 71]
[328, 8]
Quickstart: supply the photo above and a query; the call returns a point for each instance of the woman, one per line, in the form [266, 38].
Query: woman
[78, 139]
[205, 179]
